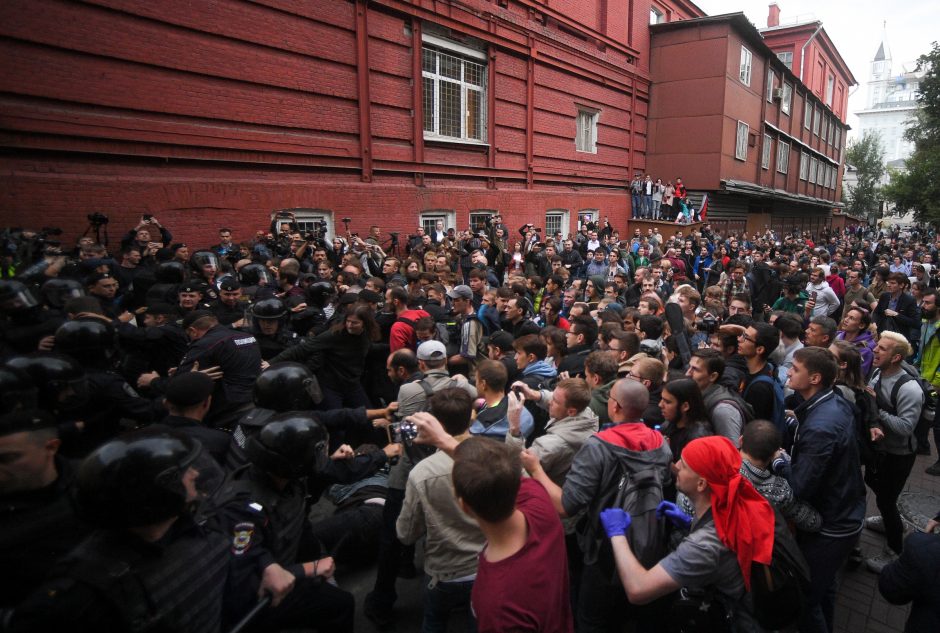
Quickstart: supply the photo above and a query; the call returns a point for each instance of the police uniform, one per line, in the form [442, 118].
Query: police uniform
[37, 528]
[227, 314]
[267, 526]
[238, 356]
[115, 581]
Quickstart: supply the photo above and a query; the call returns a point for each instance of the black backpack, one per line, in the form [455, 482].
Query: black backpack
[778, 590]
[639, 493]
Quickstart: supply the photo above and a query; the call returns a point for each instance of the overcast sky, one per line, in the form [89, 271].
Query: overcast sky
[855, 27]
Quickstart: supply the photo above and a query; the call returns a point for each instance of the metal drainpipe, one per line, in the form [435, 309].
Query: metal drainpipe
[803, 52]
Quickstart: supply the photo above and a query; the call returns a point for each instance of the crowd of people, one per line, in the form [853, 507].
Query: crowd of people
[581, 431]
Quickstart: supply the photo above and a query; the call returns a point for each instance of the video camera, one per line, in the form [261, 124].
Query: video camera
[97, 219]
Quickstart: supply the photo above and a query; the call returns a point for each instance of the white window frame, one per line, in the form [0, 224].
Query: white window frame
[480, 214]
[744, 70]
[740, 141]
[656, 16]
[817, 116]
[469, 59]
[771, 80]
[807, 113]
[765, 152]
[429, 217]
[783, 156]
[813, 167]
[586, 216]
[787, 101]
[557, 220]
[306, 217]
[804, 166]
[585, 139]
[787, 58]
[830, 89]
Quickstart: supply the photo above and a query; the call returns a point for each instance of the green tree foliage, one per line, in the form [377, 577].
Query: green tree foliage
[918, 187]
[867, 156]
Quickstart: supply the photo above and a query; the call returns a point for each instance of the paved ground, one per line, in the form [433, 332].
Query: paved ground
[860, 608]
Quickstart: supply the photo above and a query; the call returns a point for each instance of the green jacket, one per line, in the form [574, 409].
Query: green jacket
[930, 352]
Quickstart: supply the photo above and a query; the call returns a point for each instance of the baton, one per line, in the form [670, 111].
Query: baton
[265, 601]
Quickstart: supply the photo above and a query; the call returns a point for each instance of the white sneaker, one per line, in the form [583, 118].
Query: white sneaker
[875, 524]
[879, 562]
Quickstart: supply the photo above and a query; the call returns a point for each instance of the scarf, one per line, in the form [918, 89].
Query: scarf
[744, 520]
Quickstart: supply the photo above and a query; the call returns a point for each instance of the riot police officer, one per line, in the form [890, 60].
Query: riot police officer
[148, 565]
[264, 506]
[22, 320]
[237, 356]
[93, 343]
[269, 325]
[38, 522]
[230, 307]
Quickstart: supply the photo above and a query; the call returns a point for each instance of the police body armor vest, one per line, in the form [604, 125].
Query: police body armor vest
[179, 589]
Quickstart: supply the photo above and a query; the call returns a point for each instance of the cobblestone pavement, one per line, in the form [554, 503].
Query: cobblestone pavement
[860, 607]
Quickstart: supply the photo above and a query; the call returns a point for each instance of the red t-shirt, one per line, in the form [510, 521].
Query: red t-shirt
[529, 590]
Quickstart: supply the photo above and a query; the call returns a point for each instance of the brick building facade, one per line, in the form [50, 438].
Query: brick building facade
[390, 112]
[734, 121]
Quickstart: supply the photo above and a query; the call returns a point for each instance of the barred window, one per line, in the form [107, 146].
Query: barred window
[454, 95]
[765, 152]
[556, 220]
[787, 59]
[804, 166]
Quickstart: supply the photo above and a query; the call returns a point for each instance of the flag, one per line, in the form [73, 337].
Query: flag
[704, 209]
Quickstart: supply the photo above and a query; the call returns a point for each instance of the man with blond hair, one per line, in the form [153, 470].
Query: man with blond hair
[899, 398]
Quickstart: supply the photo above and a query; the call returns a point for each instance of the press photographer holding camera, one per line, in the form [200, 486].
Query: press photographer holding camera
[143, 235]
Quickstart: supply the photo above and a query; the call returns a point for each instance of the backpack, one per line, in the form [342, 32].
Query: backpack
[779, 416]
[778, 591]
[442, 331]
[865, 411]
[638, 492]
[928, 410]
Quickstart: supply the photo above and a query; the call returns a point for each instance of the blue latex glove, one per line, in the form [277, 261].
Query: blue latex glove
[616, 521]
[676, 516]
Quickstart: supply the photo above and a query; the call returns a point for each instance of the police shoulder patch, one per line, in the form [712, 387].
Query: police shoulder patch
[241, 540]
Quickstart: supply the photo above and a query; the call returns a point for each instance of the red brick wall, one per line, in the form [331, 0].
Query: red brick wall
[220, 112]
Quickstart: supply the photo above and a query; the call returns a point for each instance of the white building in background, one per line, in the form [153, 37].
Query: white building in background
[890, 103]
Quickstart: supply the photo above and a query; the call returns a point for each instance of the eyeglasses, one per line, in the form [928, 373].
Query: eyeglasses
[745, 337]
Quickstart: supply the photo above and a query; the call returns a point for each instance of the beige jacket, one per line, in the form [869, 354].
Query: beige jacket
[454, 540]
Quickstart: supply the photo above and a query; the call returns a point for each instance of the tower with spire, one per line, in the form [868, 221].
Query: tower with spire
[890, 103]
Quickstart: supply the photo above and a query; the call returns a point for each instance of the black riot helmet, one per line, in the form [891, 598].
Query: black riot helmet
[255, 275]
[291, 445]
[269, 309]
[15, 298]
[55, 292]
[86, 341]
[319, 293]
[60, 380]
[138, 479]
[170, 273]
[287, 387]
[17, 390]
[205, 263]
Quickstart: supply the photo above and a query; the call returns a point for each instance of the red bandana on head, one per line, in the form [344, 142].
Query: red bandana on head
[744, 520]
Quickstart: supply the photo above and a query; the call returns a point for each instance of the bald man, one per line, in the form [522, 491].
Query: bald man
[626, 447]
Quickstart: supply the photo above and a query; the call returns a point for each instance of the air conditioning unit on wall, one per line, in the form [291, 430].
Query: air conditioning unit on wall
[778, 94]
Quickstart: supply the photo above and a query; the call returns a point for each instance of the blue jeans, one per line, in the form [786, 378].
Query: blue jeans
[825, 556]
[441, 600]
[636, 205]
[648, 206]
